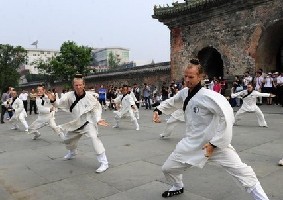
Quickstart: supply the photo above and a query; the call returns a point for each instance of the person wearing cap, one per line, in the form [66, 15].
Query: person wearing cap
[268, 86]
[86, 112]
[249, 97]
[209, 125]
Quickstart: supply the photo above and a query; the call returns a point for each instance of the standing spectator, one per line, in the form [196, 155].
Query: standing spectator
[267, 87]
[237, 87]
[32, 102]
[136, 91]
[164, 92]
[146, 96]
[275, 87]
[280, 88]
[102, 92]
[217, 86]
[246, 80]
[259, 84]
[4, 98]
[24, 97]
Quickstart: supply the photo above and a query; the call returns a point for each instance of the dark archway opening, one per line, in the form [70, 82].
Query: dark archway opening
[269, 54]
[279, 59]
[211, 61]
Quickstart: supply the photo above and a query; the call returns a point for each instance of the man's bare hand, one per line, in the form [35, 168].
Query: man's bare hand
[208, 149]
[102, 122]
[156, 117]
[51, 96]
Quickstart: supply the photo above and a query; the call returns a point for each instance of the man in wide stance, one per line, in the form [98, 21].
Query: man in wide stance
[249, 97]
[86, 113]
[209, 121]
[46, 113]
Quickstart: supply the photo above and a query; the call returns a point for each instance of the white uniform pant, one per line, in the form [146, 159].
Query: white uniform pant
[170, 125]
[130, 115]
[22, 118]
[228, 159]
[72, 138]
[260, 117]
[39, 123]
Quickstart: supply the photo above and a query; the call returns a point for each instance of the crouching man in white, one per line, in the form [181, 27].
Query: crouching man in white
[86, 113]
[249, 97]
[46, 113]
[209, 121]
[18, 110]
[126, 109]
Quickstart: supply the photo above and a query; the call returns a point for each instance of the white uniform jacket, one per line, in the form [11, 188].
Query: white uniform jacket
[249, 102]
[87, 109]
[209, 118]
[126, 102]
[18, 107]
[43, 107]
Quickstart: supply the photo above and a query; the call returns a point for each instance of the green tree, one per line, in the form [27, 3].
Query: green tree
[113, 60]
[72, 59]
[11, 58]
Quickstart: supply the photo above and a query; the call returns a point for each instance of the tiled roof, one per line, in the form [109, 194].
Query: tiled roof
[189, 6]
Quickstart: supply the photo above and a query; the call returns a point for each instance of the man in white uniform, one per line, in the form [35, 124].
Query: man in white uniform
[249, 97]
[86, 113]
[136, 109]
[46, 113]
[18, 110]
[127, 106]
[209, 122]
[175, 119]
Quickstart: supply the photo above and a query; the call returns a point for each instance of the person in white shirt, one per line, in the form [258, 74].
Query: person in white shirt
[24, 97]
[249, 97]
[209, 126]
[258, 84]
[19, 113]
[268, 86]
[246, 80]
[126, 108]
[280, 88]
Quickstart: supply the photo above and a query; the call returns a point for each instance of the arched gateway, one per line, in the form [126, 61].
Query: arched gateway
[247, 35]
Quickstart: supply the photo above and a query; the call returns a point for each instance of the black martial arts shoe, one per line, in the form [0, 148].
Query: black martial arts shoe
[172, 193]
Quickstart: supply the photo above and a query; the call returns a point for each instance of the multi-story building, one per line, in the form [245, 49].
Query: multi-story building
[101, 55]
[34, 55]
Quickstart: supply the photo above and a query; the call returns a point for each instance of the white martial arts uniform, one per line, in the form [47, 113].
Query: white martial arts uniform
[19, 113]
[249, 105]
[209, 118]
[45, 116]
[136, 109]
[127, 104]
[86, 112]
[176, 118]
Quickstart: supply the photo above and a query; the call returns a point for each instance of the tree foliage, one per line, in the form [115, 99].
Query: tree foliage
[72, 59]
[11, 58]
[113, 60]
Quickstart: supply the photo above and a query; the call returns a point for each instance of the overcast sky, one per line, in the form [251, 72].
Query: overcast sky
[95, 23]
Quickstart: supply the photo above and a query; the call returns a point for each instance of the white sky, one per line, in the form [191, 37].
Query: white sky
[95, 23]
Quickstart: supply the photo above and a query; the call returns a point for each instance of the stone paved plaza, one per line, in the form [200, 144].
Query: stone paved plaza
[36, 170]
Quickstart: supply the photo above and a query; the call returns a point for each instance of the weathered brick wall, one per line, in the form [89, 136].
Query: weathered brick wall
[153, 75]
[235, 35]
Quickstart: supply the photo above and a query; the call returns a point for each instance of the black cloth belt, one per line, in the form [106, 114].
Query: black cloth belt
[82, 127]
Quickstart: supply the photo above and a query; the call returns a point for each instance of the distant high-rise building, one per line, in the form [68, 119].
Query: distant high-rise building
[101, 55]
